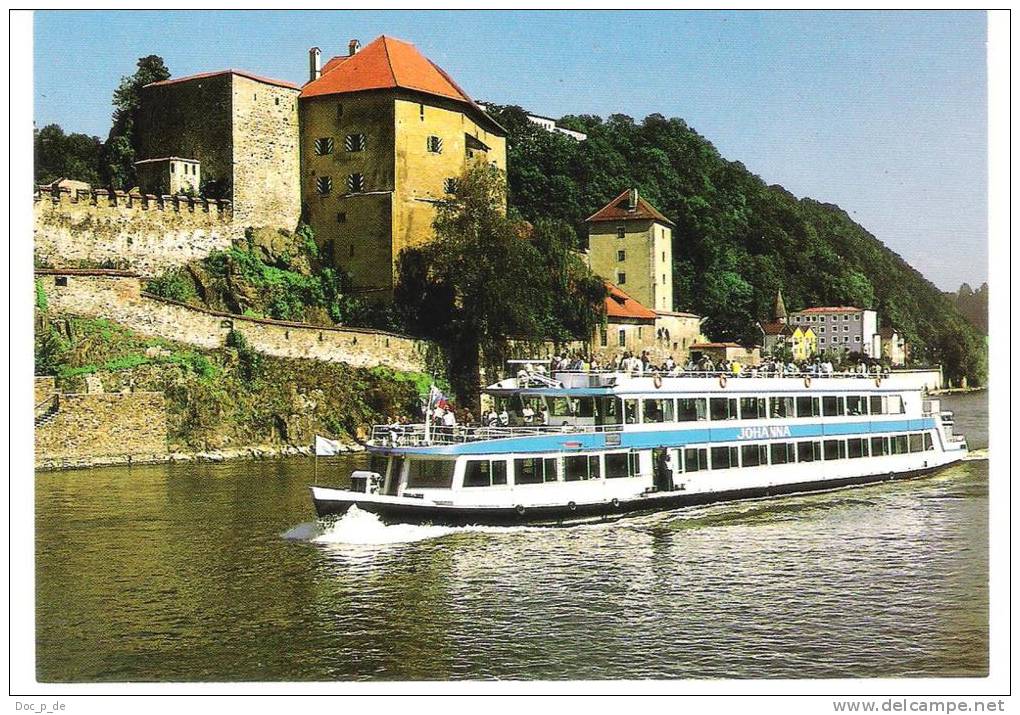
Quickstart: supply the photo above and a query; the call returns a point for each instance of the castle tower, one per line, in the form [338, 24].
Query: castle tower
[384, 134]
[631, 244]
[242, 130]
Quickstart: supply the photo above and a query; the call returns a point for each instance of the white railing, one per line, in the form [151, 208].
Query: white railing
[416, 435]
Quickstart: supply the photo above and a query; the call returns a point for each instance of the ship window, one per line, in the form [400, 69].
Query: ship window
[584, 407]
[377, 463]
[752, 408]
[580, 467]
[833, 406]
[879, 446]
[856, 447]
[916, 442]
[695, 459]
[724, 457]
[658, 410]
[895, 405]
[899, 444]
[691, 409]
[432, 473]
[635, 464]
[877, 405]
[808, 451]
[752, 455]
[617, 465]
[528, 471]
[723, 408]
[550, 469]
[630, 412]
[782, 407]
[483, 473]
[807, 407]
[928, 444]
[834, 449]
[783, 452]
[608, 411]
[856, 405]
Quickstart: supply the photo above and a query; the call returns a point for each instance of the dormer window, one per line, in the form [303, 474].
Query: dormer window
[355, 142]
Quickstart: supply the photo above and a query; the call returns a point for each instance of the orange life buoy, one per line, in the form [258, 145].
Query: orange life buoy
[657, 381]
[807, 382]
[722, 381]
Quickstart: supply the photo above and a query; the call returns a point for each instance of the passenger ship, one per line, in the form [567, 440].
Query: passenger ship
[618, 443]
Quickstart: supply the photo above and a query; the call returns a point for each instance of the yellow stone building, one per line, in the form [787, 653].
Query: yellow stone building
[384, 135]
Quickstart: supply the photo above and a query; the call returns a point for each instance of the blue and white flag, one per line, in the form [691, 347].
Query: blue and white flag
[326, 447]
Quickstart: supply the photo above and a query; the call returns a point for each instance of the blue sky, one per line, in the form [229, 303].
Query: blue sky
[883, 113]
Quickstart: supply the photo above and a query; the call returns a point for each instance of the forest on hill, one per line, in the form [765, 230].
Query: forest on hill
[737, 239]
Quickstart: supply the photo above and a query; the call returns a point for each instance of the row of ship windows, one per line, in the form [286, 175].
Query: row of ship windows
[607, 410]
[620, 465]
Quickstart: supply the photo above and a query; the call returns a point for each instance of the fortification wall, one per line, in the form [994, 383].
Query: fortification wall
[86, 426]
[146, 233]
[117, 296]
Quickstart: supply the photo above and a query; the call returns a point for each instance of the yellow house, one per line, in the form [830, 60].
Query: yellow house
[384, 135]
[804, 343]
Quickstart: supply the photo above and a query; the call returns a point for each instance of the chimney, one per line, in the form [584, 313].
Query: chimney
[352, 47]
[314, 70]
[632, 199]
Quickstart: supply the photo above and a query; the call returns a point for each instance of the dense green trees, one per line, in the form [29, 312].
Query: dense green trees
[737, 239]
[973, 304]
[487, 277]
[65, 156]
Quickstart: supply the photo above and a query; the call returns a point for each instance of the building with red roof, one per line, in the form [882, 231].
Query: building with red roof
[385, 132]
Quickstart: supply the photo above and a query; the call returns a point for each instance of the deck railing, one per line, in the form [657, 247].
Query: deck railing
[416, 435]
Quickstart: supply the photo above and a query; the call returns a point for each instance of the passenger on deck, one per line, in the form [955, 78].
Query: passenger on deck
[528, 415]
[504, 418]
[491, 418]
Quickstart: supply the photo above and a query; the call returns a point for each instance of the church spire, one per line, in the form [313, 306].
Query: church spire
[779, 308]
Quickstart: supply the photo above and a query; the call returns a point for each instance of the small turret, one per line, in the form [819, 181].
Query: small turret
[779, 308]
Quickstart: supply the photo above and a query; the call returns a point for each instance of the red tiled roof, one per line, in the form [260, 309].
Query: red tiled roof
[774, 328]
[616, 210]
[702, 346]
[886, 331]
[388, 63]
[621, 305]
[831, 309]
[240, 73]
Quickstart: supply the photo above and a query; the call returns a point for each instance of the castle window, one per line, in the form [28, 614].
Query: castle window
[277, 101]
[621, 255]
[621, 278]
[355, 142]
[434, 144]
[324, 185]
[603, 337]
[350, 251]
[60, 281]
[663, 256]
[622, 338]
[663, 279]
[323, 146]
[172, 168]
[621, 232]
[421, 112]
[341, 217]
[450, 186]
[355, 183]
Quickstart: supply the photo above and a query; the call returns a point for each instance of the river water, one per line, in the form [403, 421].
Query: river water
[219, 572]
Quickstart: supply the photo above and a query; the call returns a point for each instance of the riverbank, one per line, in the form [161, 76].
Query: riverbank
[251, 453]
[956, 391]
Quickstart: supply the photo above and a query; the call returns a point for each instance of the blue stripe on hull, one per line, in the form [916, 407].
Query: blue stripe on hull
[671, 438]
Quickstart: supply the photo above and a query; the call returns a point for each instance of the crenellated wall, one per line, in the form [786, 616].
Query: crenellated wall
[117, 296]
[143, 232]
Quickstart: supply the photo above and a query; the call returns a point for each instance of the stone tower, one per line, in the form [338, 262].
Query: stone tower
[384, 135]
[631, 244]
[243, 132]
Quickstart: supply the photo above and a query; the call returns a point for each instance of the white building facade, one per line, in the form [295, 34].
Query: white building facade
[843, 328]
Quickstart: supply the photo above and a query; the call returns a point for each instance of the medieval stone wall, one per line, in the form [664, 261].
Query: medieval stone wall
[118, 297]
[145, 233]
[87, 426]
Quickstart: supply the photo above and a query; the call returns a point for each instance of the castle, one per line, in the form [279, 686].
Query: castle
[362, 152]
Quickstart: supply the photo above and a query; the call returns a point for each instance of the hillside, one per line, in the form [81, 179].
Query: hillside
[973, 304]
[737, 239]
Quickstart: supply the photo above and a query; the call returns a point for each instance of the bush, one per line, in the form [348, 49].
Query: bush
[40, 296]
[174, 285]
